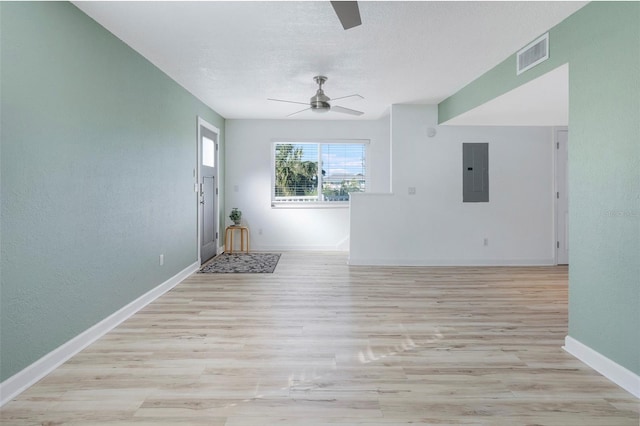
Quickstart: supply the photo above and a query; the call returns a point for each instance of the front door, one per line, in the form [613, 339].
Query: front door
[208, 193]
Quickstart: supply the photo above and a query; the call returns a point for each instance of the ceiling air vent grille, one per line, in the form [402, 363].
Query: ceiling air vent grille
[533, 54]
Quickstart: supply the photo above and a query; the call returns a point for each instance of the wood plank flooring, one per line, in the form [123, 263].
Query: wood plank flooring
[321, 343]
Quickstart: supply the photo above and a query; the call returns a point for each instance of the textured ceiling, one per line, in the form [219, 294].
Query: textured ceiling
[235, 55]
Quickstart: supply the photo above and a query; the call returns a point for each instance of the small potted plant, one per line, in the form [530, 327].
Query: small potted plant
[235, 216]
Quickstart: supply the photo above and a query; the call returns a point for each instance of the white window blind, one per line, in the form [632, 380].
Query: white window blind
[318, 173]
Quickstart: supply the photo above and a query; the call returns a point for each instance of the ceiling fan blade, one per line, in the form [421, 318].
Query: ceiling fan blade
[302, 110]
[350, 96]
[346, 110]
[291, 102]
[348, 13]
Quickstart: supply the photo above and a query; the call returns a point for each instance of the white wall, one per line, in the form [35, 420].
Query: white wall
[434, 227]
[248, 181]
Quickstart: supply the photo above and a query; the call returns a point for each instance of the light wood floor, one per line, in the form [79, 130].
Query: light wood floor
[322, 343]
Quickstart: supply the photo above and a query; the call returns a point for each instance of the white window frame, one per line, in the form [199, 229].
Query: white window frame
[317, 203]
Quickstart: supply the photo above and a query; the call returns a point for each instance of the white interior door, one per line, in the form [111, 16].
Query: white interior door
[562, 196]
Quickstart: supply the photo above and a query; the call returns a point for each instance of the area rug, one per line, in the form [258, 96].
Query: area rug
[248, 263]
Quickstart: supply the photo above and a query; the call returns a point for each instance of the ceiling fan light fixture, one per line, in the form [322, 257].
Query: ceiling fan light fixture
[320, 108]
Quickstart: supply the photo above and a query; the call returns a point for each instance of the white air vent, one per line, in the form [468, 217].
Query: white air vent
[533, 54]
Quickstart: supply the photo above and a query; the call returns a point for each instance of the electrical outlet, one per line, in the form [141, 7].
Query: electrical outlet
[161, 259]
[485, 242]
[260, 231]
[412, 190]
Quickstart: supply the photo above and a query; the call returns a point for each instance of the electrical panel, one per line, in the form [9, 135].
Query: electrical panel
[475, 172]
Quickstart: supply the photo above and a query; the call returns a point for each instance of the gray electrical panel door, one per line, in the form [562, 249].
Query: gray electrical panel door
[475, 172]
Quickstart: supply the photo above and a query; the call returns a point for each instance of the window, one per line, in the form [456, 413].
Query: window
[309, 173]
[208, 152]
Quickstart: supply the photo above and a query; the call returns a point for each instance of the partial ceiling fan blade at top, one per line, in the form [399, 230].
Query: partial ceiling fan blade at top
[290, 102]
[344, 110]
[348, 13]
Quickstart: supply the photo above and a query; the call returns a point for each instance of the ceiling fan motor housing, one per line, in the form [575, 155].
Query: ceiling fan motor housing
[320, 102]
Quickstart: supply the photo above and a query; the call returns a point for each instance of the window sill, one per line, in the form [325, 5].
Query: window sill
[310, 205]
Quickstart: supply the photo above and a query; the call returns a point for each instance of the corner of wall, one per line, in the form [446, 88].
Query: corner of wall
[613, 371]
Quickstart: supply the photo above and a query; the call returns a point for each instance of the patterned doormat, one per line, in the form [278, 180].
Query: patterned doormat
[243, 263]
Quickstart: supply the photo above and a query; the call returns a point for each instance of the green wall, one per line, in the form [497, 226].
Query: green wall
[97, 153]
[601, 43]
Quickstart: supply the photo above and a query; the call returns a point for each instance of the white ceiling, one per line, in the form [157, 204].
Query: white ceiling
[233, 55]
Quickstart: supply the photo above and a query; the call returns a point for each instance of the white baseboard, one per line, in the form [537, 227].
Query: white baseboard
[22, 380]
[365, 261]
[613, 371]
[298, 248]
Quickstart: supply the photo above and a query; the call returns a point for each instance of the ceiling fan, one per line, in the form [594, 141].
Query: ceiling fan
[320, 102]
[348, 13]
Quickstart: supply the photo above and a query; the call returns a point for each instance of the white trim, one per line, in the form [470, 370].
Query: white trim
[554, 140]
[327, 248]
[22, 380]
[310, 204]
[613, 371]
[320, 140]
[449, 262]
[216, 163]
[556, 230]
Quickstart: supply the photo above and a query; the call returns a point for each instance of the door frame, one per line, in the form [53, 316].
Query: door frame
[198, 176]
[565, 195]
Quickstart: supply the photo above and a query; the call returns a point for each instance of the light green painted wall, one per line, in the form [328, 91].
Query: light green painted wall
[97, 153]
[601, 43]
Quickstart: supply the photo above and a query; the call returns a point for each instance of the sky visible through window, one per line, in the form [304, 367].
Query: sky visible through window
[337, 159]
